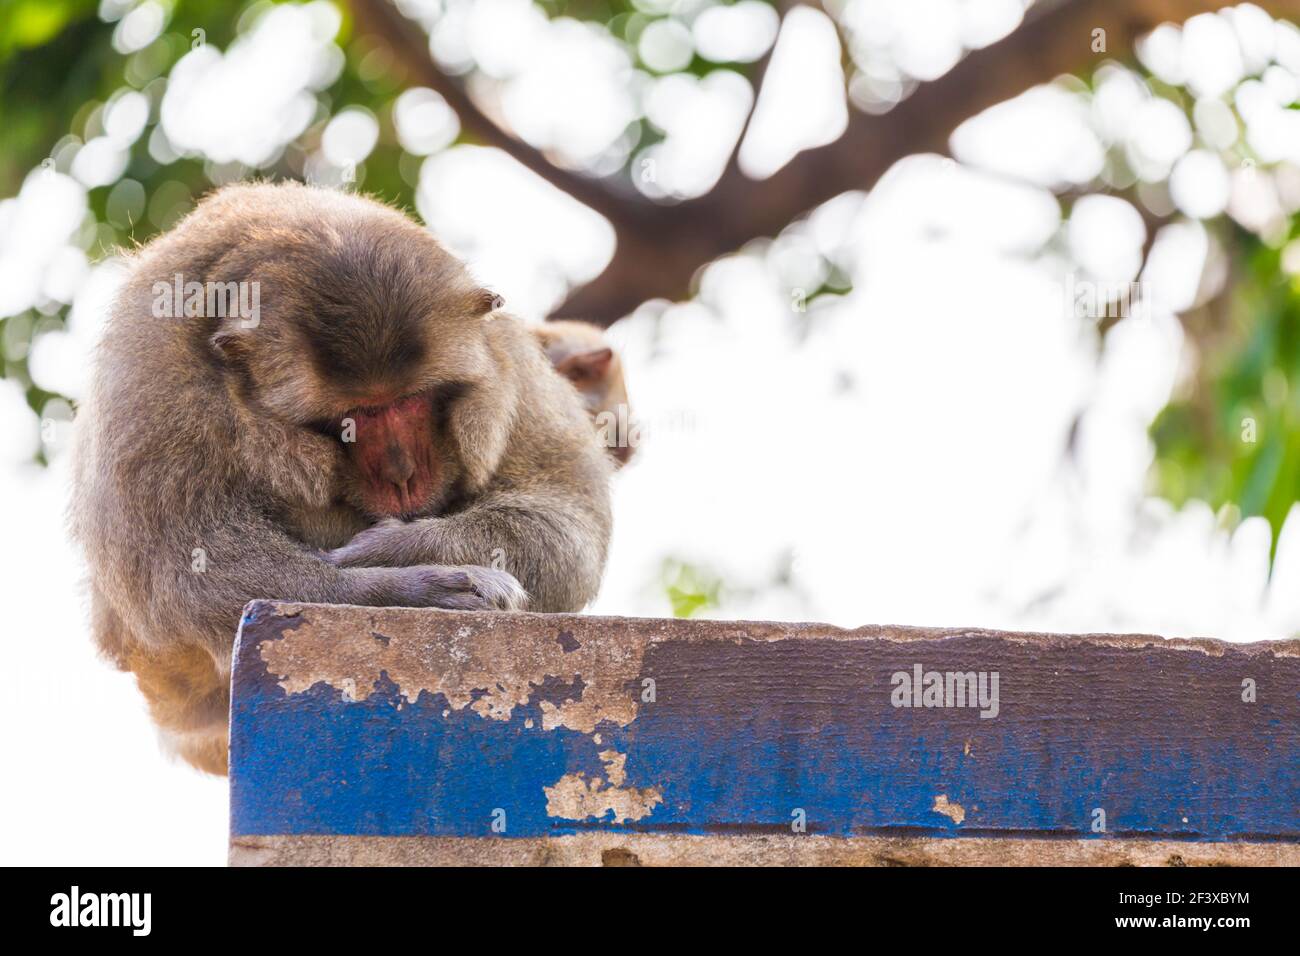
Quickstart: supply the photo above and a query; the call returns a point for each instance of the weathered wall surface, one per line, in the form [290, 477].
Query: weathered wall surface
[364, 735]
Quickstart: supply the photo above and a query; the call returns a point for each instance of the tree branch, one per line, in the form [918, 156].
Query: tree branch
[660, 247]
[410, 46]
[1053, 40]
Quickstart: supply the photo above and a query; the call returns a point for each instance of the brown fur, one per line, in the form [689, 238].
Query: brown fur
[188, 698]
[200, 433]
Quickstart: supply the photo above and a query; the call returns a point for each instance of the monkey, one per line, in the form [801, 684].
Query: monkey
[579, 352]
[375, 430]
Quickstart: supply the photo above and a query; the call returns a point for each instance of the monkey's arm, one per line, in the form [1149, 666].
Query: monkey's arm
[197, 575]
[305, 467]
[554, 545]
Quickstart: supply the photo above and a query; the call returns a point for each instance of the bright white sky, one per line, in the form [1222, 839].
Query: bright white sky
[902, 448]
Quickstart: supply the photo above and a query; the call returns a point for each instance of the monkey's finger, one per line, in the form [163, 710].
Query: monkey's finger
[499, 589]
[348, 556]
[462, 588]
[365, 550]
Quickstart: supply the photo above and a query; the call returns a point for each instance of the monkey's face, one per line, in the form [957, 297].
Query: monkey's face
[403, 430]
[403, 458]
[374, 335]
[405, 439]
[401, 453]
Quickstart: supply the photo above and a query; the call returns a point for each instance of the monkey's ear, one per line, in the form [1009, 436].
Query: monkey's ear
[486, 301]
[231, 345]
[583, 368]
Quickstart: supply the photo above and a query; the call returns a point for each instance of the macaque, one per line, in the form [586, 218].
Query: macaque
[579, 352]
[301, 395]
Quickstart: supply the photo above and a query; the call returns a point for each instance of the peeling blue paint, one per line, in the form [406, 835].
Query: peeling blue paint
[740, 735]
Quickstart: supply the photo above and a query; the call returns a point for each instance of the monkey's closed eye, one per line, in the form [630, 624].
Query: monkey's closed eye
[330, 429]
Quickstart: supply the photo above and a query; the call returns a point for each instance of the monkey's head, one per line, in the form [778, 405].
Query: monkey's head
[579, 352]
[372, 333]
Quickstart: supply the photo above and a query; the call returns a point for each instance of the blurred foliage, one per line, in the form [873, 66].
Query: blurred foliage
[59, 67]
[1234, 439]
[690, 588]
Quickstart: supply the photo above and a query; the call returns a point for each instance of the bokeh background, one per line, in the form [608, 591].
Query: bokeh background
[943, 312]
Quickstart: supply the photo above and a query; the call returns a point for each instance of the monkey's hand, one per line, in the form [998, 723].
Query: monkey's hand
[394, 544]
[457, 588]
[387, 543]
[550, 541]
